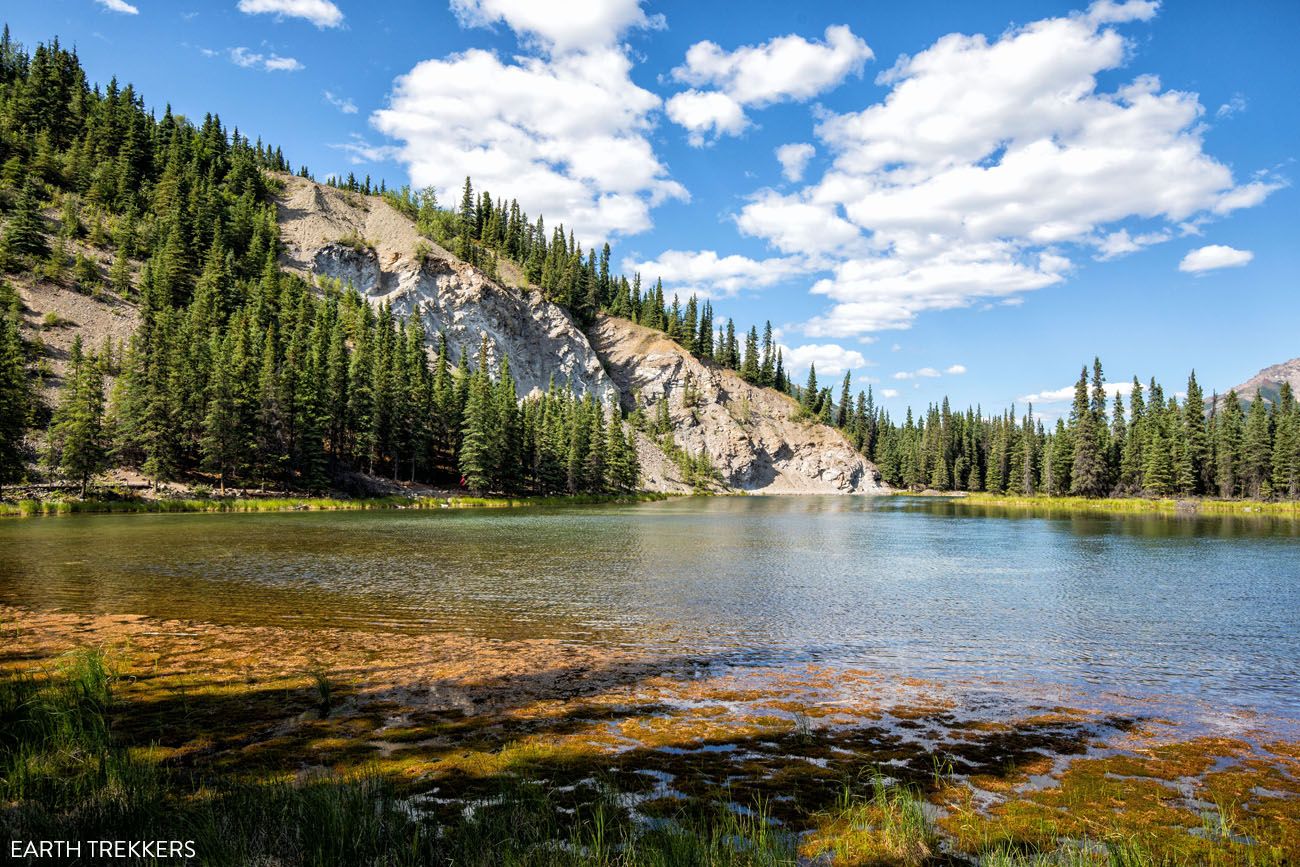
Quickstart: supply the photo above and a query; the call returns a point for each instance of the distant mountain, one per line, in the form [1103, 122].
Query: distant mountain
[1268, 382]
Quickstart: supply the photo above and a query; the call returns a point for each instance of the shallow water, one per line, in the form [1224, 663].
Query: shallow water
[1188, 615]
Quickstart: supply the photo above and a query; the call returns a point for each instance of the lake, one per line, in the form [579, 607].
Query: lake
[1196, 617]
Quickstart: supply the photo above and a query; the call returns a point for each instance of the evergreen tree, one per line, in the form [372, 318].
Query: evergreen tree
[24, 233]
[76, 446]
[1229, 430]
[1088, 471]
[1257, 450]
[15, 391]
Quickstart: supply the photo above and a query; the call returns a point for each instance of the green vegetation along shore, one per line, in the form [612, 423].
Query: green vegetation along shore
[35, 508]
[1128, 505]
[185, 730]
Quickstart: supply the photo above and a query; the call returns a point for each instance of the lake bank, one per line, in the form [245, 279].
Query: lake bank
[565, 752]
[41, 508]
[1122, 505]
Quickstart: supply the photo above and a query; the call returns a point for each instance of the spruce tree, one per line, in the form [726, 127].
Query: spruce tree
[1286, 444]
[1197, 437]
[76, 445]
[24, 233]
[1257, 450]
[1088, 471]
[1229, 429]
[15, 394]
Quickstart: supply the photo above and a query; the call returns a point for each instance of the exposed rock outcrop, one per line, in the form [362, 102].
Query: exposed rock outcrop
[747, 431]
[1268, 382]
[365, 242]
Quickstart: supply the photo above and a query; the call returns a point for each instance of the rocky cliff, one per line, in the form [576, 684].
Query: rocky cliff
[365, 242]
[748, 432]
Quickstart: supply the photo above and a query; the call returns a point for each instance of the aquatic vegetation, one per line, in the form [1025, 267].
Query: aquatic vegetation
[328, 748]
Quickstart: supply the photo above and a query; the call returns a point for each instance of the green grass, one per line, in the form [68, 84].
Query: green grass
[1132, 505]
[37, 508]
[63, 775]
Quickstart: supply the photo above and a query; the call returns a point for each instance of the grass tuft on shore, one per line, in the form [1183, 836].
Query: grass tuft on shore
[1129, 505]
[38, 508]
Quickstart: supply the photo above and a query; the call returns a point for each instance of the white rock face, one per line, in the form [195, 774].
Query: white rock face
[451, 297]
[746, 430]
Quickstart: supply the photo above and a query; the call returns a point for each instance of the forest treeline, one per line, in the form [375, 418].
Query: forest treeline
[236, 369]
[249, 374]
[1153, 446]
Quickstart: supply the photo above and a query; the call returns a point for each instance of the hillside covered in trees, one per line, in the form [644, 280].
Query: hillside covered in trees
[242, 372]
[239, 371]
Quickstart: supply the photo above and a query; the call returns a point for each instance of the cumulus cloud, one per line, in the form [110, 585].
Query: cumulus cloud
[831, 359]
[794, 159]
[706, 112]
[923, 373]
[269, 62]
[342, 103]
[1066, 393]
[705, 273]
[787, 68]
[119, 6]
[559, 25]
[889, 392]
[955, 369]
[988, 164]
[1121, 243]
[1213, 256]
[322, 13]
[566, 130]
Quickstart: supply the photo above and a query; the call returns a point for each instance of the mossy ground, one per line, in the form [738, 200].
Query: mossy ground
[608, 758]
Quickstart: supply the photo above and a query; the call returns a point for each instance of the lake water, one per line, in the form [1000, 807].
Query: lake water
[1177, 612]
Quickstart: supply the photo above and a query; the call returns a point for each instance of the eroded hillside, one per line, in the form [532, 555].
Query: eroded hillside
[748, 433]
[365, 242]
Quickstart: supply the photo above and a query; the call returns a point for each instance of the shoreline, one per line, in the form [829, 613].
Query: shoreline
[1190, 507]
[31, 508]
[553, 735]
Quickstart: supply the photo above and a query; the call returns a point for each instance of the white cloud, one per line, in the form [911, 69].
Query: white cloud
[935, 200]
[1058, 395]
[706, 113]
[1120, 243]
[119, 6]
[342, 103]
[831, 359]
[559, 25]
[794, 159]
[889, 392]
[1213, 256]
[955, 369]
[923, 373]
[276, 63]
[1236, 105]
[322, 13]
[1109, 12]
[269, 62]
[705, 273]
[566, 133]
[782, 69]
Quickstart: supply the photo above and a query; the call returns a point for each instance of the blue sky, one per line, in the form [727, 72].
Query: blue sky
[970, 199]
